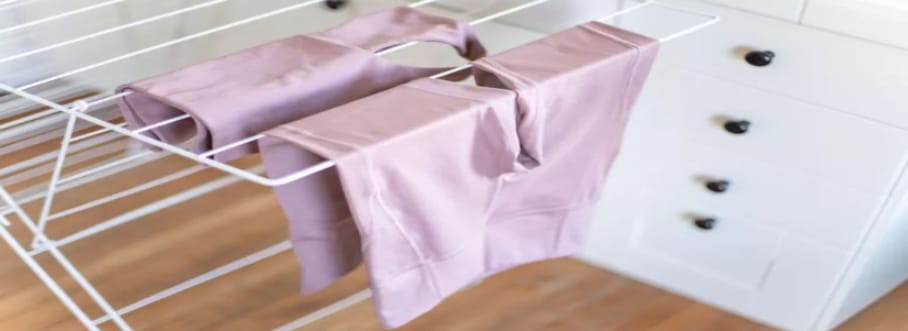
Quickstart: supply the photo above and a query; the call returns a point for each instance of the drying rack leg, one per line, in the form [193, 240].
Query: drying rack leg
[61, 259]
[54, 180]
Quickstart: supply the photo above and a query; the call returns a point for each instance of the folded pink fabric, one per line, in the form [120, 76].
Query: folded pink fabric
[420, 166]
[575, 90]
[448, 183]
[242, 94]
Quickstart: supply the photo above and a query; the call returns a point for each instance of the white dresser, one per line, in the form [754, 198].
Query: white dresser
[763, 166]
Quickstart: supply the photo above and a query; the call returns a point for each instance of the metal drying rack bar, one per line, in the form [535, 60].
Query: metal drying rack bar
[42, 124]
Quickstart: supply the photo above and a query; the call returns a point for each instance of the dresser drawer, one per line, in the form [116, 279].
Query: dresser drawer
[680, 107]
[879, 20]
[739, 266]
[784, 9]
[726, 186]
[823, 68]
[736, 251]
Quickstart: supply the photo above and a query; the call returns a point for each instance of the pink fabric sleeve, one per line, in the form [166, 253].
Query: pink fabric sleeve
[245, 93]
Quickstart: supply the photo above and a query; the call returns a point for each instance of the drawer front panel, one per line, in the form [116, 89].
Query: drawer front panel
[879, 20]
[823, 68]
[744, 268]
[726, 186]
[784, 9]
[735, 251]
[681, 106]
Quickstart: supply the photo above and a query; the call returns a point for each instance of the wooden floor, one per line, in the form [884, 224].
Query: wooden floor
[164, 248]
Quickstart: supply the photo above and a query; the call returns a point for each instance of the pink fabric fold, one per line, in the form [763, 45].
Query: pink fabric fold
[419, 166]
[245, 93]
[446, 183]
[575, 91]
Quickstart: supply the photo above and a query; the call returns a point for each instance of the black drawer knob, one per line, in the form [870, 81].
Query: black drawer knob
[760, 58]
[737, 127]
[335, 4]
[718, 186]
[705, 223]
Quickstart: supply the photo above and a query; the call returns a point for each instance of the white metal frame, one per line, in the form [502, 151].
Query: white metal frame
[46, 124]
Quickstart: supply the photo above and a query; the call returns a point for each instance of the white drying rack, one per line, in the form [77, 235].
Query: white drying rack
[44, 125]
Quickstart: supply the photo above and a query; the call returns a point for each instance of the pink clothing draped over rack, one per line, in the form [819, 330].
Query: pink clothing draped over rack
[438, 184]
[245, 93]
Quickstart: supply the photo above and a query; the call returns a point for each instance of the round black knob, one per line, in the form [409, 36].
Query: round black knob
[718, 186]
[335, 4]
[705, 223]
[760, 58]
[737, 127]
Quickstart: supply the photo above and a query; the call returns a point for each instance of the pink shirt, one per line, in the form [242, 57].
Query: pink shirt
[446, 183]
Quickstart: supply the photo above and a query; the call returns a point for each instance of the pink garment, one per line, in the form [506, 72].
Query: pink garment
[449, 183]
[420, 166]
[575, 90]
[242, 94]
